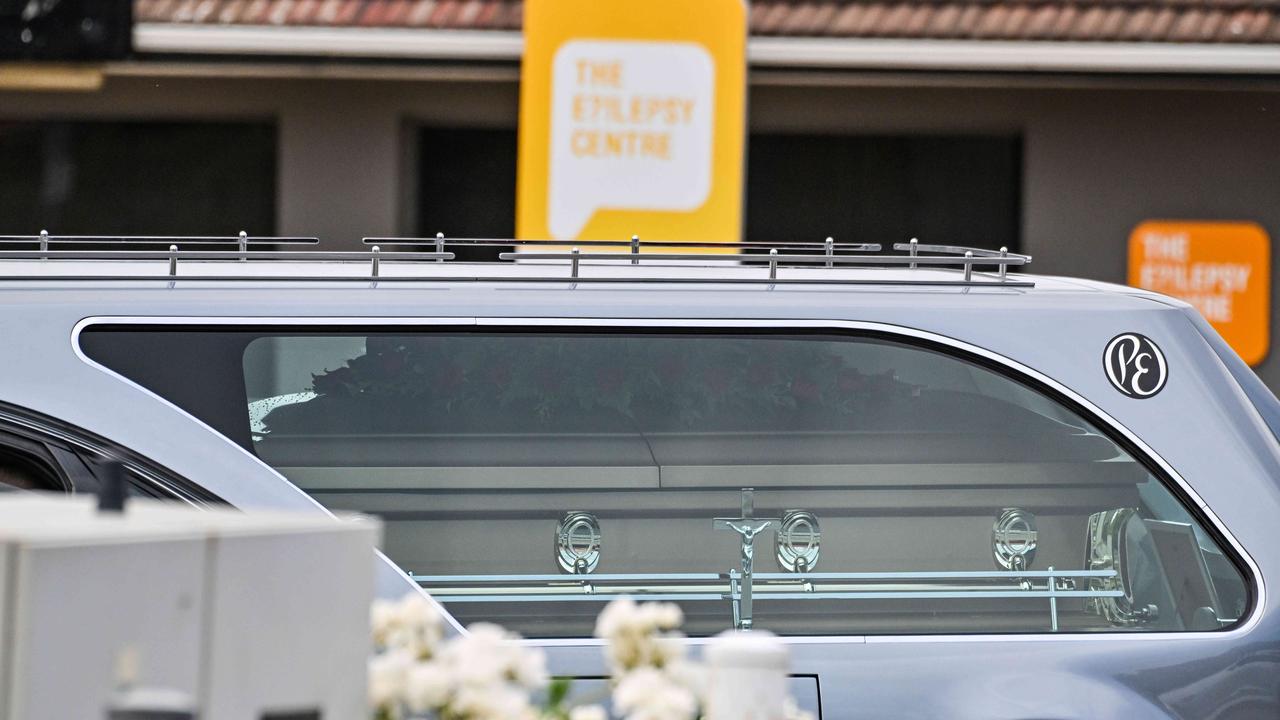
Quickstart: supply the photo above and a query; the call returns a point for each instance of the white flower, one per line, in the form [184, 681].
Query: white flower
[485, 674]
[499, 702]
[415, 610]
[423, 619]
[479, 658]
[650, 694]
[529, 668]
[618, 614]
[661, 616]
[690, 675]
[489, 655]
[625, 617]
[382, 618]
[428, 686]
[791, 711]
[387, 674]
[640, 635]
[588, 712]
[413, 624]
[668, 649]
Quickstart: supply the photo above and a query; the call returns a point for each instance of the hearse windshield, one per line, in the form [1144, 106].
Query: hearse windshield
[808, 484]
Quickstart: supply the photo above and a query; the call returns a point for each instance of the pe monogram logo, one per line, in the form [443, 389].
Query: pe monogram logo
[1135, 366]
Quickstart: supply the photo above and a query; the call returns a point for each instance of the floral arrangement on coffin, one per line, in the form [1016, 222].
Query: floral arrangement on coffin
[422, 383]
[487, 674]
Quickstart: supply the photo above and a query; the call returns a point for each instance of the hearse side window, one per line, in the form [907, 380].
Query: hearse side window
[878, 487]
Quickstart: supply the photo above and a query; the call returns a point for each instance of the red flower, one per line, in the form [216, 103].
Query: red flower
[761, 373]
[805, 390]
[671, 369]
[548, 378]
[609, 379]
[849, 380]
[716, 380]
[453, 376]
[333, 382]
[392, 362]
[500, 374]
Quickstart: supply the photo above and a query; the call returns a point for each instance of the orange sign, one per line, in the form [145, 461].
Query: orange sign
[1222, 268]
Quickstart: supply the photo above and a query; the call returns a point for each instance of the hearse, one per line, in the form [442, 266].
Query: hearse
[955, 489]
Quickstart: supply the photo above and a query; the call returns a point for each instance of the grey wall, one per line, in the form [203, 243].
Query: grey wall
[1097, 159]
[342, 162]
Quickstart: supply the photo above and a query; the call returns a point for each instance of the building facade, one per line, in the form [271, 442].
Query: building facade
[1053, 128]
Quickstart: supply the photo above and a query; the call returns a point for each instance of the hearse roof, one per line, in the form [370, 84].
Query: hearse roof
[291, 273]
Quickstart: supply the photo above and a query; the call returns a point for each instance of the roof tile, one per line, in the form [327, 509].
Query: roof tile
[1041, 22]
[823, 17]
[772, 16]
[1016, 24]
[871, 22]
[967, 24]
[991, 24]
[797, 19]
[230, 11]
[943, 21]
[486, 13]
[1162, 24]
[1226, 21]
[303, 13]
[444, 15]
[896, 20]
[844, 23]
[1112, 23]
[256, 13]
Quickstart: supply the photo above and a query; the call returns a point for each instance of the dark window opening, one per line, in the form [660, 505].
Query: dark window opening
[946, 190]
[467, 186]
[22, 471]
[137, 178]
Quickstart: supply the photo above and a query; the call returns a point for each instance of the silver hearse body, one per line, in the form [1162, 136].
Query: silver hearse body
[1128, 579]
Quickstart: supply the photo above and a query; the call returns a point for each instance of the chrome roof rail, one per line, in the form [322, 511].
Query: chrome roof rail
[543, 257]
[45, 240]
[635, 243]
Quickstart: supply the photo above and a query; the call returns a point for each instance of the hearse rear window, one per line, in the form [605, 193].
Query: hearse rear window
[808, 484]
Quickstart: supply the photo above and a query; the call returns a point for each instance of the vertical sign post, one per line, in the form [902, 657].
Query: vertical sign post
[1222, 268]
[632, 116]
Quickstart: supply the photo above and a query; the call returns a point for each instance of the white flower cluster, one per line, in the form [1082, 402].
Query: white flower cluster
[483, 675]
[653, 679]
[487, 674]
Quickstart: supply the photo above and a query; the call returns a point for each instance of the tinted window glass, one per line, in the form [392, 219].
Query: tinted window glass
[880, 487]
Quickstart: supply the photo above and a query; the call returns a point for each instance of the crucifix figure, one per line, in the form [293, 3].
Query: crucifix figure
[748, 527]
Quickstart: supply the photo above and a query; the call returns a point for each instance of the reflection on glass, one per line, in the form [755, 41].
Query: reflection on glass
[950, 498]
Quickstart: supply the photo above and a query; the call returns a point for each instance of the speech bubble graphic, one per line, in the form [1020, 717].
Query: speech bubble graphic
[631, 129]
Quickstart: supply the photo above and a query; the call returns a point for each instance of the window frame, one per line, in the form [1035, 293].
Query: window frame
[1015, 371]
[92, 450]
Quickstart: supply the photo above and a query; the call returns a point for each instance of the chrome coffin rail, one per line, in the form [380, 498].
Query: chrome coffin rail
[1050, 585]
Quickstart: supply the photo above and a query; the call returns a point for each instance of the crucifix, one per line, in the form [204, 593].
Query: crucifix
[748, 526]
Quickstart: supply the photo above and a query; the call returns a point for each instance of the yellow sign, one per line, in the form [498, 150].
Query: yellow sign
[55, 77]
[1222, 268]
[632, 116]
